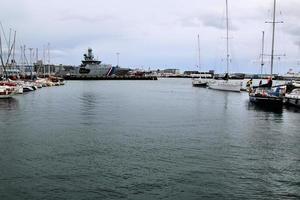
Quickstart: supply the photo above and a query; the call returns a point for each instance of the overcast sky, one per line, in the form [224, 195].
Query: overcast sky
[157, 33]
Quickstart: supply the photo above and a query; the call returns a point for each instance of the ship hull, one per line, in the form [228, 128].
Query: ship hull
[267, 101]
[225, 86]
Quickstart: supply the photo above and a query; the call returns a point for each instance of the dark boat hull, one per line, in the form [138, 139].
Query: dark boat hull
[111, 78]
[203, 85]
[267, 101]
[292, 102]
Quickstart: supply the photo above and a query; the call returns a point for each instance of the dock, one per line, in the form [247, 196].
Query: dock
[110, 78]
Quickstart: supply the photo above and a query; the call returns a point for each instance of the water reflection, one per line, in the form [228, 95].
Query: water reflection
[88, 104]
[225, 100]
[9, 104]
[262, 108]
[292, 109]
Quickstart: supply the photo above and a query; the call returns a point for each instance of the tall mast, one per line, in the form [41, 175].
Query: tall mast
[49, 53]
[262, 53]
[49, 59]
[227, 38]
[44, 60]
[21, 55]
[298, 63]
[1, 57]
[9, 38]
[30, 62]
[37, 54]
[273, 37]
[199, 58]
[14, 49]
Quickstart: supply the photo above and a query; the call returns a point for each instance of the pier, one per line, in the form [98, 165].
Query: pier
[111, 78]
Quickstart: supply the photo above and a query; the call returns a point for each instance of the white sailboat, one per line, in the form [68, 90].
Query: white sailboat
[226, 85]
[199, 82]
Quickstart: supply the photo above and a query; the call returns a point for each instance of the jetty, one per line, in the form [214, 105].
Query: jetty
[110, 78]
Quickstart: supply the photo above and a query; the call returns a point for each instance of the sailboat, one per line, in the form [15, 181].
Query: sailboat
[199, 82]
[225, 84]
[266, 94]
[7, 88]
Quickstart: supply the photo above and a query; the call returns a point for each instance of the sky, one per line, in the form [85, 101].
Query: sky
[158, 34]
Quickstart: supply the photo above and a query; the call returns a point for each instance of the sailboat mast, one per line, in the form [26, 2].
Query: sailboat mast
[14, 50]
[262, 53]
[49, 70]
[9, 38]
[273, 37]
[1, 58]
[227, 38]
[199, 58]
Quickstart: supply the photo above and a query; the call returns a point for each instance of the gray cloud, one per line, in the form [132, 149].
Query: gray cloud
[160, 33]
[86, 19]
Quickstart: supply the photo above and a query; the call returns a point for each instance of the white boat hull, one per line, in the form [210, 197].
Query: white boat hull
[293, 98]
[19, 90]
[6, 96]
[225, 85]
[200, 83]
[7, 92]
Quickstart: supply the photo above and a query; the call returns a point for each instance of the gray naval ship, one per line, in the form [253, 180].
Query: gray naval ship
[92, 68]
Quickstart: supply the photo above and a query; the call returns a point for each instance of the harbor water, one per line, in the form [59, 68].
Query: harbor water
[146, 140]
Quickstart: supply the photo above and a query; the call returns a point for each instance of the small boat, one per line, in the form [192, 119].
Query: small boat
[293, 98]
[7, 90]
[41, 82]
[19, 86]
[34, 87]
[60, 81]
[199, 82]
[268, 96]
[296, 84]
[28, 87]
[38, 85]
[225, 85]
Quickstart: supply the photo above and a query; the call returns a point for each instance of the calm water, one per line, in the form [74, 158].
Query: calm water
[146, 140]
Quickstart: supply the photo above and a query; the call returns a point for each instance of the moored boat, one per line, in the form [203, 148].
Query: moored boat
[293, 98]
[268, 96]
[225, 85]
[90, 68]
[200, 82]
[7, 90]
